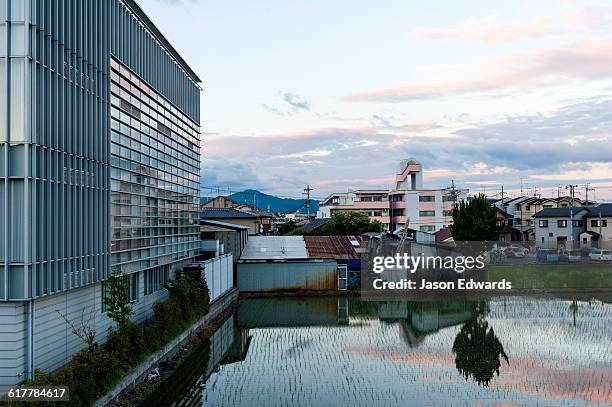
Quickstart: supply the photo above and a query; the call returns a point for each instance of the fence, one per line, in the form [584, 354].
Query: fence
[219, 275]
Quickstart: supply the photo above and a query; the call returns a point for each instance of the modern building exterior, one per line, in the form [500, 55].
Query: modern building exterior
[99, 170]
[427, 210]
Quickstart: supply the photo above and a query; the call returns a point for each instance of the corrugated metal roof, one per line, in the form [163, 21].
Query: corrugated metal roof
[274, 248]
[333, 247]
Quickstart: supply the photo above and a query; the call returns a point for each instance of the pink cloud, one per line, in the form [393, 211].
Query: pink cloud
[487, 29]
[588, 60]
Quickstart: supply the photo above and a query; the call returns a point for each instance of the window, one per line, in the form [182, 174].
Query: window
[376, 213]
[550, 235]
[427, 228]
[543, 223]
[427, 213]
[561, 223]
[398, 212]
[155, 279]
[448, 212]
[596, 223]
[527, 207]
[365, 199]
[427, 198]
[577, 223]
[448, 198]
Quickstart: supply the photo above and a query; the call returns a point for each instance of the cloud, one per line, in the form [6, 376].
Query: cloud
[493, 29]
[488, 29]
[296, 101]
[583, 61]
[293, 103]
[573, 144]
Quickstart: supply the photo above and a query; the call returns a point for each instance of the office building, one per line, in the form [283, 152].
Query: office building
[99, 170]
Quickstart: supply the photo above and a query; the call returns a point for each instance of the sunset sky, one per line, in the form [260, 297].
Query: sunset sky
[334, 93]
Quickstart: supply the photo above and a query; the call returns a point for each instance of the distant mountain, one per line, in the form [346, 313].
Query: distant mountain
[273, 203]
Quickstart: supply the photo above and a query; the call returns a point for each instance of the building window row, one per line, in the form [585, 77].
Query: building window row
[155, 279]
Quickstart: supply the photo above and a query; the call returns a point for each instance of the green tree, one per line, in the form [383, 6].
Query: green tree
[286, 228]
[350, 223]
[117, 299]
[475, 221]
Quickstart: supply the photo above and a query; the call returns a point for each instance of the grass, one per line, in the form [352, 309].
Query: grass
[553, 276]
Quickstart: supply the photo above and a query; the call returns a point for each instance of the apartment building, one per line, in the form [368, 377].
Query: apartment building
[427, 210]
[99, 171]
[374, 202]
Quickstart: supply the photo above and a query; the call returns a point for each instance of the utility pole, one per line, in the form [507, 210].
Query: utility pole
[571, 188]
[586, 192]
[307, 190]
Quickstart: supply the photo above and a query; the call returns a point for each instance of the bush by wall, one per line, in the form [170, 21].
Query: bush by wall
[91, 374]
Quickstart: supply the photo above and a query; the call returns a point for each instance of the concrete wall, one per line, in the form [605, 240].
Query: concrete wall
[288, 276]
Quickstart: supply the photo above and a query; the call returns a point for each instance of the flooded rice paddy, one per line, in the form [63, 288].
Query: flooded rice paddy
[503, 351]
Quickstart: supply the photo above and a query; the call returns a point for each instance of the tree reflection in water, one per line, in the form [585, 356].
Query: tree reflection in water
[477, 350]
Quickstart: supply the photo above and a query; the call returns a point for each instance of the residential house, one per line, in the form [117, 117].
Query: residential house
[220, 202]
[258, 223]
[599, 227]
[444, 236]
[525, 210]
[507, 232]
[560, 227]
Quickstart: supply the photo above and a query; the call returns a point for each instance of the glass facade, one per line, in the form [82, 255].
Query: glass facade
[154, 176]
[99, 164]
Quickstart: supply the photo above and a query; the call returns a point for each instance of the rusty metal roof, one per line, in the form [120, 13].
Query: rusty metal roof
[333, 247]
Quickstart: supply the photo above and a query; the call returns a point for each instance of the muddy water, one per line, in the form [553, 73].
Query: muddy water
[343, 351]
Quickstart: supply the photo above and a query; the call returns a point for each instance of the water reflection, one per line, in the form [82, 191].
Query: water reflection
[477, 349]
[343, 351]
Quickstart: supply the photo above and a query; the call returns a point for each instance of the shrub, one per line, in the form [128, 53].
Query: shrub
[91, 374]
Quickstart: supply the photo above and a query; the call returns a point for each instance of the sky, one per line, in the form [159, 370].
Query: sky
[335, 93]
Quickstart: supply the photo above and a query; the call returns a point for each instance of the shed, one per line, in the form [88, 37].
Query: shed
[282, 263]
